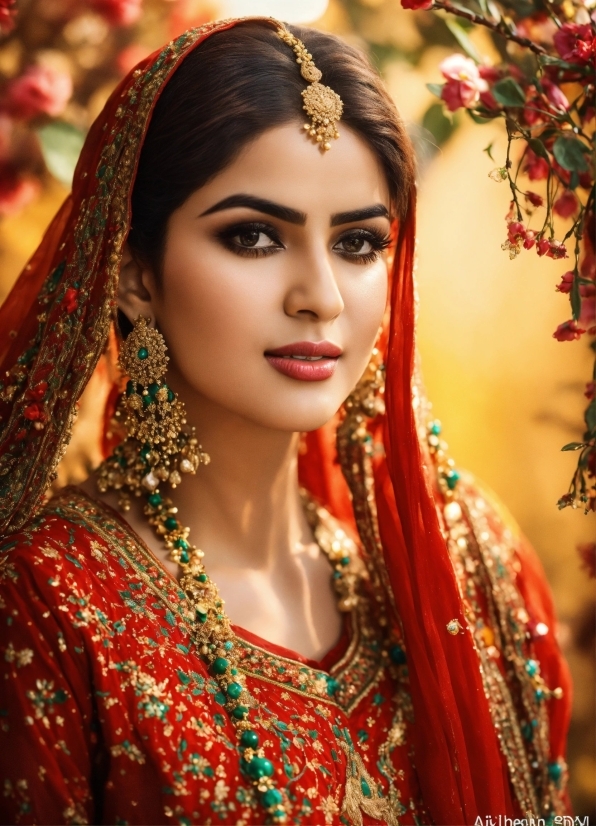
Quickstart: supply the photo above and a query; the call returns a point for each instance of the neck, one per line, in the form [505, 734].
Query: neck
[244, 508]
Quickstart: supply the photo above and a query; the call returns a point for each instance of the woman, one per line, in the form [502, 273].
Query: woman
[177, 654]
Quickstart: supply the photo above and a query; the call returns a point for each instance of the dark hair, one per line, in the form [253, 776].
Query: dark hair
[236, 85]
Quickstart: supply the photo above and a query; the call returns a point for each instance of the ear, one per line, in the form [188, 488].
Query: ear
[136, 288]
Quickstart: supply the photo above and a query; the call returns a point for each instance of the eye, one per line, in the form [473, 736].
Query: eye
[354, 244]
[251, 239]
[362, 246]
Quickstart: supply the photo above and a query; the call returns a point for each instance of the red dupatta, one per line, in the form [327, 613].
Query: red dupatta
[54, 327]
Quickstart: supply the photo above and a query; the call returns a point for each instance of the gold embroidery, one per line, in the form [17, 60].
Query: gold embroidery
[362, 794]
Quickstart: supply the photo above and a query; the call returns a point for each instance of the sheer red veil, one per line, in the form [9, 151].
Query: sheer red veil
[54, 328]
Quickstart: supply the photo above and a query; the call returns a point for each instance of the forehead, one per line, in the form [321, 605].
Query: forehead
[284, 165]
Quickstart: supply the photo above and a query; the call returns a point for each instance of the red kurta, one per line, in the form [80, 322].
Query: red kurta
[108, 714]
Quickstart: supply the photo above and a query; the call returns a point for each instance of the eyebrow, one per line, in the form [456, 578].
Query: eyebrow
[376, 211]
[293, 216]
[284, 213]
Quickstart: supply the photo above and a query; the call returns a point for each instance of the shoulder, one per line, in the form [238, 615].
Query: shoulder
[81, 561]
[59, 541]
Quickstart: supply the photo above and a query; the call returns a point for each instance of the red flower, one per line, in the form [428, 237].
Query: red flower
[7, 14]
[535, 167]
[575, 42]
[535, 199]
[71, 300]
[590, 392]
[41, 90]
[555, 95]
[551, 248]
[34, 412]
[119, 12]
[566, 204]
[417, 4]
[568, 331]
[16, 191]
[530, 239]
[566, 282]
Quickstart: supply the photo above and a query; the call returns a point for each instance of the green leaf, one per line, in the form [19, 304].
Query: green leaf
[61, 145]
[508, 92]
[438, 124]
[489, 150]
[538, 148]
[569, 153]
[435, 88]
[463, 40]
[573, 446]
[478, 118]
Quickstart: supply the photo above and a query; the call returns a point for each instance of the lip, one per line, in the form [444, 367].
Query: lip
[293, 360]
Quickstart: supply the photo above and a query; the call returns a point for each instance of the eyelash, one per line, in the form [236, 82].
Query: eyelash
[228, 234]
[379, 241]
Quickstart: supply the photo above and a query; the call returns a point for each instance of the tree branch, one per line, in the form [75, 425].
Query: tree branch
[495, 27]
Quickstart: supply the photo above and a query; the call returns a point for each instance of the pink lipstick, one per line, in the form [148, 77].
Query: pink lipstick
[305, 360]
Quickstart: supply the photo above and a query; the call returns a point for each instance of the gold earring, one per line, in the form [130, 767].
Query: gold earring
[156, 447]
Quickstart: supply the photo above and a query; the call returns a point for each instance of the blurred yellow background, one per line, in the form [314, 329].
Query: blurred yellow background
[508, 394]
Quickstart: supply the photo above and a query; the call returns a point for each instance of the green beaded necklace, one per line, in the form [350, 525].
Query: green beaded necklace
[159, 448]
[212, 631]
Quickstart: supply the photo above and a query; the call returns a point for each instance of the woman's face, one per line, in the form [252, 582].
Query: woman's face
[274, 280]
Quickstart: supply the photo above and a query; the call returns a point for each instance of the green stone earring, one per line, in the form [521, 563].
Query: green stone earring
[157, 447]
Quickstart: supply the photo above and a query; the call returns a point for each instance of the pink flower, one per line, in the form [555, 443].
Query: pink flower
[516, 232]
[118, 12]
[417, 4]
[575, 42]
[7, 14]
[535, 167]
[566, 282]
[40, 90]
[556, 250]
[555, 95]
[566, 204]
[464, 84]
[568, 331]
[16, 191]
[551, 248]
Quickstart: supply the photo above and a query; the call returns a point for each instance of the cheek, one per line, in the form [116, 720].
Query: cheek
[365, 300]
[211, 311]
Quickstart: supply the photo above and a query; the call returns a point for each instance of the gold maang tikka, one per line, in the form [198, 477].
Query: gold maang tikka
[157, 448]
[322, 105]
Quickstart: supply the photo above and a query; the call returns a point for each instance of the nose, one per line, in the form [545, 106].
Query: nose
[313, 291]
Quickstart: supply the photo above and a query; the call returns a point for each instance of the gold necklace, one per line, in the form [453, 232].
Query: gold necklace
[212, 631]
